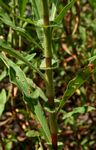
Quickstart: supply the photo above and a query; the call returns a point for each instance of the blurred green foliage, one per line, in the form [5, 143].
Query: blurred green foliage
[73, 40]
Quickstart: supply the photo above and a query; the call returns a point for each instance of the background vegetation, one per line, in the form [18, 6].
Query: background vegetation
[23, 102]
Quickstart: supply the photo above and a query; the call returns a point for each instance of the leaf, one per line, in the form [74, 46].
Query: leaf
[18, 77]
[41, 93]
[63, 11]
[83, 34]
[38, 12]
[36, 108]
[4, 46]
[32, 133]
[74, 84]
[53, 10]
[8, 145]
[4, 6]
[3, 75]
[31, 95]
[37, 8]
[3, 101]
[78, 110]
[41, 118]
[92, 3]
[29, 57]
[55, 64]
[21, 81]
[6, 19]
[22, 6]
[91, 59]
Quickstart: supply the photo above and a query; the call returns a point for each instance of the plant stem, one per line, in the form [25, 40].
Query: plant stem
[49, 74]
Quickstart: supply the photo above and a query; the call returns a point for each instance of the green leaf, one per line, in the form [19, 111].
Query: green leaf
[37, 109]
[55, 64]
[29, 57]
[41, 93]
[4, 6]
[37, 8]
[74, 84]
[8, 145]
[31, 95]
[41, 118]
[3, 101]
[92, 3]
[6, 19]
[18, 77]
[63, 11]
[53, 10]
[22, 6]
[91, 59]
[83, 34]
[32, 133]
[7, 48]
[38, 12]
[78, 110]
[3, 75]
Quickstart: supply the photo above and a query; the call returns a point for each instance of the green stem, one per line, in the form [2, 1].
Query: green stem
[49, 74]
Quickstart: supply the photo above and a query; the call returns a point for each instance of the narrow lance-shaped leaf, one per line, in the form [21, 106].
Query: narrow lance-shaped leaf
[53, 10]
[78, 110]
[22, 6]
[75, 83]
[41, 118]
[19, 78]
[28, 20]
[3, 4]
[37, 8]
[41, 93]
[91, 59]
[31, 96]
[38, 12]
[3, 101]
[6, 19]
[3, 75]
[7, 48]
[63, 11]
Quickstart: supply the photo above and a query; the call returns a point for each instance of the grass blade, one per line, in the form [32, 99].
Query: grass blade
[63, 11]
